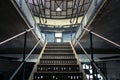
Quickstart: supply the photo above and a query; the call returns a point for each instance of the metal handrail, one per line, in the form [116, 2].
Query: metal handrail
[20, 10]
[14, 74]
[23, 16]
[97, 9]
[20, 34]
[32, 50]
[108, 40]
[33, 18]
[82, 19]
[98, 70]
[9, 39]
[11, 78]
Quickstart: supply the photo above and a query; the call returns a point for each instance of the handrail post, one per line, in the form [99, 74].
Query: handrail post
[24, 53]
[92, 55]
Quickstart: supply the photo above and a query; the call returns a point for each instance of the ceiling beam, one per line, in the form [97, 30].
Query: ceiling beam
[82, 6]
[38, 2]
[72, 12]
[44, 11]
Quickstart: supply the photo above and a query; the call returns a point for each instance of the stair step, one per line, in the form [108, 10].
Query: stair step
[58, 68]
[60, 52]
[52, 72]
[58, 76]
[49, 56]
[58, 61]
[58, 44]
[63, 54]
[58, 47]
[58, 58]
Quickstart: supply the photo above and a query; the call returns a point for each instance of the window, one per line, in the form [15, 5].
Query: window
[58, 37]
[58, 34]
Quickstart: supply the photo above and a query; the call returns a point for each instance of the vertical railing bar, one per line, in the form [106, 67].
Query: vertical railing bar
[98, 70]
[92, 55]
[24, 53]
[14, 74]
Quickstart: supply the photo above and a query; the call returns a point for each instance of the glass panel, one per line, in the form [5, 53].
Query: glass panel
[58, 34]
[58, 40]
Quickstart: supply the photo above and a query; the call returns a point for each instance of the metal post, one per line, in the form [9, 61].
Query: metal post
[24, 54]
[92, 55]
[71, 26]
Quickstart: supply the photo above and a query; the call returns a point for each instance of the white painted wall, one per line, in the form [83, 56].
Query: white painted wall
[58, 21]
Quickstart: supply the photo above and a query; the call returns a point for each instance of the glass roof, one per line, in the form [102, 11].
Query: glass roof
[58, 9]
[70, 12]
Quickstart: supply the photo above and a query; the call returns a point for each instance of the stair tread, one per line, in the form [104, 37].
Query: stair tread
[57, 59]
[62, 44]
[62, 72]
[60, 52]
[58, 49]
[58, 46]
[57, 54]
[58, 64]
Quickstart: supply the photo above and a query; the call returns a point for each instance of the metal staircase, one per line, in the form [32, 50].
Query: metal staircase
[57, 61]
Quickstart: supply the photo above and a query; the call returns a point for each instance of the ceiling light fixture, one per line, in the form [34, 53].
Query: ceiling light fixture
[58, 9]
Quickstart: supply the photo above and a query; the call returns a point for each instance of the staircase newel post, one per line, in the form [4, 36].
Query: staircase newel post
[24, 53]
[92, 55]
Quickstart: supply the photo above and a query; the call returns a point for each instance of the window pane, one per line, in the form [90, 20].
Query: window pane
[58, 40]
[58, 34]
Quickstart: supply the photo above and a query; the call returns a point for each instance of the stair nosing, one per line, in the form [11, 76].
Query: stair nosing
[58, 59]
[58, 49]
[57, 72]
[59, 64]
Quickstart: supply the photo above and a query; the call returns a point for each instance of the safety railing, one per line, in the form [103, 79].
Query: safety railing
[91, 59]
[89, 15]
[24, 50]
[108, 40]
[87, 19]
[93, 63]
[28, 17]
[26, 13]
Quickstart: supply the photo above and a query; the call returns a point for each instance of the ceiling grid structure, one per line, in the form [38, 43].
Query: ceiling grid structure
[58, 13]
[66, 8]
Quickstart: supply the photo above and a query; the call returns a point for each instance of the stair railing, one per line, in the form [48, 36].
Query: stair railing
[93, 63]
[102, 37]
[24, 50]
[91, 59]
[25, 12]
[9, 39]
[88, 17]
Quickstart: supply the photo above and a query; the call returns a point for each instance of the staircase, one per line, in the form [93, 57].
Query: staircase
[57, 61]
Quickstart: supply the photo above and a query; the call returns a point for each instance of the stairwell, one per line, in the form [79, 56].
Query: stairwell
[58, 61]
